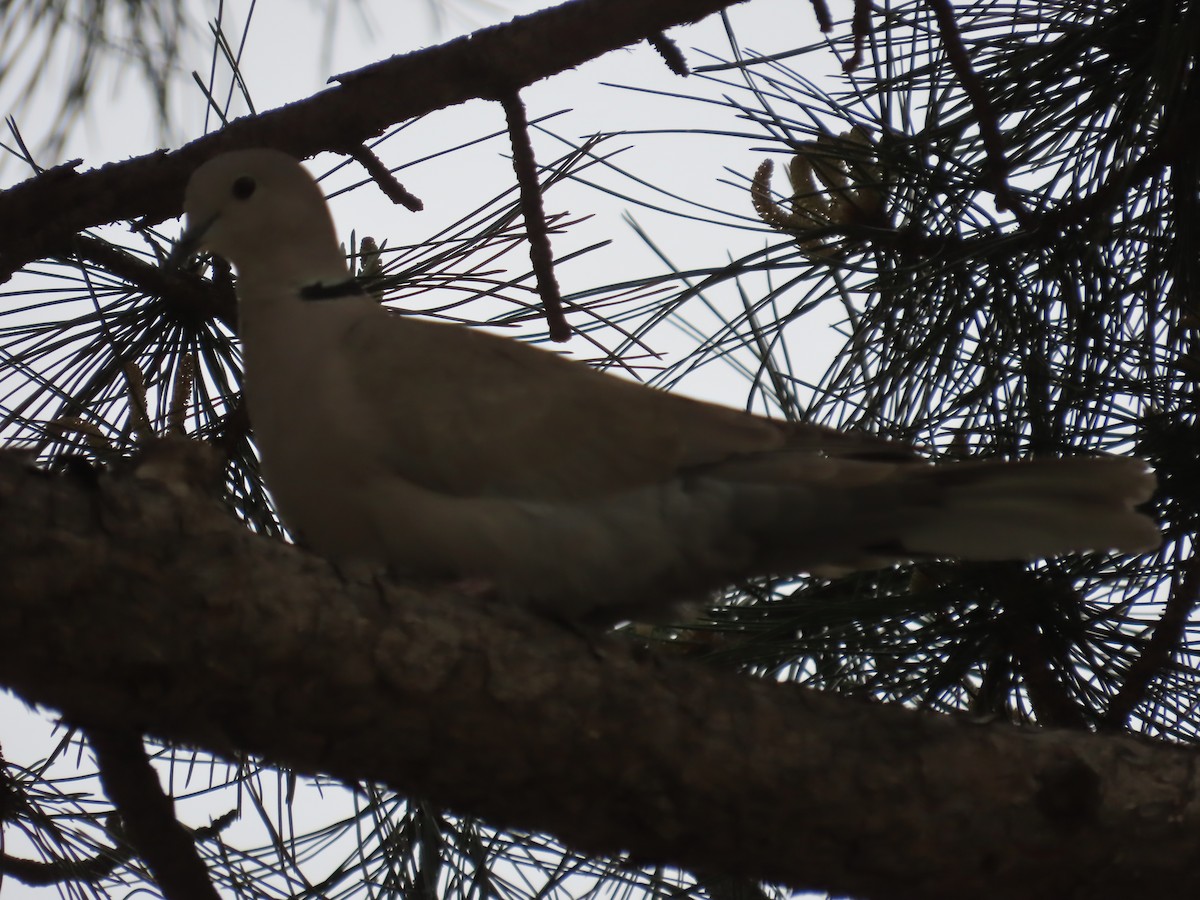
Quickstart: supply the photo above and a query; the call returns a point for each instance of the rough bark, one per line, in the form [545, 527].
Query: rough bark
[131, 602]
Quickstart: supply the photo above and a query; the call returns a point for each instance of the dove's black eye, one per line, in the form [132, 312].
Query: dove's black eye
[243, 187]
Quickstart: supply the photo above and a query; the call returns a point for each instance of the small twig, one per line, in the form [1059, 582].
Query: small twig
[229, 432]
[824, 19]
[148, 816]
[670, 53]
[388, 183]
[1165, 640]
[860, 27]
[38, 873]
[540, 254]
[985, 113]
[1049, 698]
[183, 290]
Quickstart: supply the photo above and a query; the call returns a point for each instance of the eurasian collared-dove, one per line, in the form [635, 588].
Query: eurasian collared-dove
[440, 450]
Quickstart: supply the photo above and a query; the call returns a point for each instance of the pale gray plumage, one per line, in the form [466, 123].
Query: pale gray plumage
[441, 450]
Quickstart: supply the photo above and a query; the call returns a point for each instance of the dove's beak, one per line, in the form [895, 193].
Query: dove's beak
[189, 242]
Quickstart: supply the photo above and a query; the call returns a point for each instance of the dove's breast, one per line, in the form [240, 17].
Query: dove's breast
[314, 436]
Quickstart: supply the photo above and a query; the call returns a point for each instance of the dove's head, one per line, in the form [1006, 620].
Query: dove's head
[262, 211]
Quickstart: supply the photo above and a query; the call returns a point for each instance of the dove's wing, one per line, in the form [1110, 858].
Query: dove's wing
[477, 414]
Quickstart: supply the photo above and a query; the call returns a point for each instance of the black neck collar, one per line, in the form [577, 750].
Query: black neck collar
[320, 291]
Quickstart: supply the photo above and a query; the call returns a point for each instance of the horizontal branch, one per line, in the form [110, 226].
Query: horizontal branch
[131, 603]
[37, 216]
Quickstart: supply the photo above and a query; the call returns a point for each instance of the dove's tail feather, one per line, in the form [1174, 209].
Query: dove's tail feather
[637, 554]
[1001, 510]
[1037, 508]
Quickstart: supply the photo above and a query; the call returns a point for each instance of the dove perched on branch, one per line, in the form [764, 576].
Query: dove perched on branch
[439, 450]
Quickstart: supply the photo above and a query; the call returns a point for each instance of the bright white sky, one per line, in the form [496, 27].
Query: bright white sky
[289, 54]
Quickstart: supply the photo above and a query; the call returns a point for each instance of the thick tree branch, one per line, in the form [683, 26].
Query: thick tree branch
[130, 604]
[37, 216]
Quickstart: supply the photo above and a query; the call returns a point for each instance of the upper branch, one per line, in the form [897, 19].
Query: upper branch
[38, 215]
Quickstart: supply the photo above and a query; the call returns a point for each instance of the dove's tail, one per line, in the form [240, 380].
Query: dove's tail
[994, 511]
[1035, 508]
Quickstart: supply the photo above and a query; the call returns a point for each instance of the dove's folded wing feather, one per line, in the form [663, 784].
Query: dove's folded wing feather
[496, 417]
